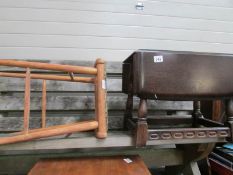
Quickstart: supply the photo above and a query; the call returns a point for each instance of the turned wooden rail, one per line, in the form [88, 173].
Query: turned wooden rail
[98, 122]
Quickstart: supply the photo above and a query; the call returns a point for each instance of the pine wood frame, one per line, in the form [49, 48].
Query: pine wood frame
[99, 123]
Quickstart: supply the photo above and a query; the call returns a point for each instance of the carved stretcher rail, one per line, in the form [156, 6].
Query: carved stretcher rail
[97, 78]
[188, 133]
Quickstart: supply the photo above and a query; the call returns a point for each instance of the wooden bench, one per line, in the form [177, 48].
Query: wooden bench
[18, 158]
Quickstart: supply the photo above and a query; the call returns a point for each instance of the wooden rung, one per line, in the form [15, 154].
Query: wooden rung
[47, 66]
[50, 131]
[43, 105]
[27, 101]
[49, 77]
[51, 127]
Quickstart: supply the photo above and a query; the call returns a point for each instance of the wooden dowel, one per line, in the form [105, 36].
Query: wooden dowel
[27, 101]
[48, 77]
[48, 66]
[51, 127]
[43, 105]
[96, 101]
[101, 99]
[48, 132]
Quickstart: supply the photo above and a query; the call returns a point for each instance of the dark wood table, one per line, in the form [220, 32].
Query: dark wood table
[176, 76]
[112, 165]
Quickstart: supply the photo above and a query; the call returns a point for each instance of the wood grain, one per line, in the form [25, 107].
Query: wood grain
[14, 122]
[91, 166]
[217, 110]
[27, 97]
[46, 66]
[49, 77]
[43, 105]
[86, 102]
[111, 66]
[100, 93]
[68, 101]
[12, 164]
[10, 85]
[100, 123]
[50, 131]
[87, 141]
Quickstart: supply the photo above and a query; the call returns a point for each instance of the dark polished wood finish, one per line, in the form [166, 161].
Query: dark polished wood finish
[91, 166]
[142, 127]
[196, 112]
[181, 75]
[188, 76]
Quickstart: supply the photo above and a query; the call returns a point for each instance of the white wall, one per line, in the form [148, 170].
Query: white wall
[112, 29]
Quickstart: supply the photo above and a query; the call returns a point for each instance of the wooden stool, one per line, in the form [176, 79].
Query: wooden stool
[93, 75]
[117, 165]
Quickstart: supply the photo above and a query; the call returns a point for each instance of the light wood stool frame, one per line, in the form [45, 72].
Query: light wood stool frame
[99, 123]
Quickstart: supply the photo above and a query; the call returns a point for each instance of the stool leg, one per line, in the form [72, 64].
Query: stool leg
[27, 101]
[229, 114]
[142, 127]
[196, 112]
[101, 100]
[128, 111]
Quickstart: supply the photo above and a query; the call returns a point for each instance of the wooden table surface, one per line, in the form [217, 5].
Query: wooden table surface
[114, 165]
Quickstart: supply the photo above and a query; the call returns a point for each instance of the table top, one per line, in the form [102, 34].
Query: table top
[109, 165]
[167, 75]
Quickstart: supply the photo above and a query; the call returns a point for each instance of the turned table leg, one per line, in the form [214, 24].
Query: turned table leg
[196, 112]
[141, 128]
